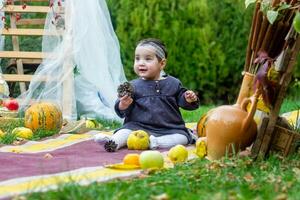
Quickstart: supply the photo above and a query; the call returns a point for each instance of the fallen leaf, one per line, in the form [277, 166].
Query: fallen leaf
[297, 172]
[48, 156]
[163, 196]
[281, 197]
[248, 177]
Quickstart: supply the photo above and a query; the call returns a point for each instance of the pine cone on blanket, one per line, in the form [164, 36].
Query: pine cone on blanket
[125, 89]
[110, 146]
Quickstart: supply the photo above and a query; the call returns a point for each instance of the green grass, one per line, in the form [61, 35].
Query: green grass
[7, 127]
[235, 178]
[195, 115]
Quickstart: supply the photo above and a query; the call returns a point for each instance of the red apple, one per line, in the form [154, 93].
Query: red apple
[11, 104]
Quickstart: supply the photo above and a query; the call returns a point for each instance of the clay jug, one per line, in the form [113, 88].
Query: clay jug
[246, 87]
[245, 92]
[230, 128]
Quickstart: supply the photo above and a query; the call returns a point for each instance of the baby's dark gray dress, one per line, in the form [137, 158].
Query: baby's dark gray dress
[155, 107]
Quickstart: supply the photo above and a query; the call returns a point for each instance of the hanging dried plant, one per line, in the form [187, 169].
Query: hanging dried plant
[261, 81]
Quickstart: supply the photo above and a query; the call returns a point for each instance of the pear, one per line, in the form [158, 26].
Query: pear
[178, 154]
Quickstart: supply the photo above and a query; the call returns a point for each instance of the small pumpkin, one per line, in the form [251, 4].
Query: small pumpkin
[43, 115]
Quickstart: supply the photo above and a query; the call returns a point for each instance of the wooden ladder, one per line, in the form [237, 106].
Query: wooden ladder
[17, 57]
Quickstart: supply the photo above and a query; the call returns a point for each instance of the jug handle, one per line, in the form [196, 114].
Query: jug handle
[253, 100]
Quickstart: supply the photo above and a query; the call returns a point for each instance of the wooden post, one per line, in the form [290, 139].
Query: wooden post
[16, 47]
[68, 83]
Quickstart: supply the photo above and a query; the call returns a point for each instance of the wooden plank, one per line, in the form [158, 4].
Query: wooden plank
[16, 47]
[22, 78]
[25, 61]
[30, 22]
[25, 1]
[27, 32]
[28, 9]
[17, 77]
[22, 54]
[260, 135]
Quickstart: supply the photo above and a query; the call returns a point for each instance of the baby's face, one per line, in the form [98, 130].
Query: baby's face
[146, 64]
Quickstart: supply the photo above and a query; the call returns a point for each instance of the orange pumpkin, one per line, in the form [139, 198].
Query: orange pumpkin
[44, 115]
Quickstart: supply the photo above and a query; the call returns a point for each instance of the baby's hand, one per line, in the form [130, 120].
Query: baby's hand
[125, 102]
[190, 96]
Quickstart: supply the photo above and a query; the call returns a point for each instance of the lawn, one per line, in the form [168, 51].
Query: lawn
[230, 178]
[235, 178]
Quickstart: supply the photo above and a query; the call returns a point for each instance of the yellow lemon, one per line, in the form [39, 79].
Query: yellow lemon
[178, 154]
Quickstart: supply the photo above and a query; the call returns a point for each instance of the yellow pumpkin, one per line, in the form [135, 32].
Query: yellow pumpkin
[44, 115]
[22, 132]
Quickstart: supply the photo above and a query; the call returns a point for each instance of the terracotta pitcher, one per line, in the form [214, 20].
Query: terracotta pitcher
[230, 127]
[245, 92]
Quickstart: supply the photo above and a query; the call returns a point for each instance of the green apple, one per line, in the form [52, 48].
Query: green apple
[178, 154]
[151, 160]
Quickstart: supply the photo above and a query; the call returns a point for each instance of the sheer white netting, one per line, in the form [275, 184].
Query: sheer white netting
[84, 68]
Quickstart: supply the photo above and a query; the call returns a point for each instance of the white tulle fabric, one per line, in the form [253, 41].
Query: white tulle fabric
[84, 65]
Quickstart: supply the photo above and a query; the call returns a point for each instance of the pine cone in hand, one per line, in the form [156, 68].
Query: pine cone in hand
[125, 89]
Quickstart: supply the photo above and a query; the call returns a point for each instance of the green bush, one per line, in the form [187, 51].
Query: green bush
[206, 40]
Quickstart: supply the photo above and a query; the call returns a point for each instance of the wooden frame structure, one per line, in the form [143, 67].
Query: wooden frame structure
[18, 57]
[269, 129]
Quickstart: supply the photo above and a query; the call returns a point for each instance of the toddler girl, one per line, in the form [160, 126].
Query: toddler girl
[154, 105]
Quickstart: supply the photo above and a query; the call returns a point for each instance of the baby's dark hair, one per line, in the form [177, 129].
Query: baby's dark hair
[157, 42]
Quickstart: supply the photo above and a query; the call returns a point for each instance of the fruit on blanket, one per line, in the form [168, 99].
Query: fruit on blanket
[11, 104]
[22, 132]
[201, 147]
[151, 159]
[138, 140]
[110, 146]
[178, 154]
[1, 133]
[131, 159]
[44, 115]
[90, 124]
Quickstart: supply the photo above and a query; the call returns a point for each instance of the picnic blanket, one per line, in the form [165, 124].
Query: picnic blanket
[44, 165]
